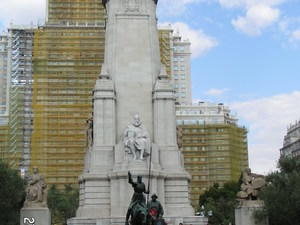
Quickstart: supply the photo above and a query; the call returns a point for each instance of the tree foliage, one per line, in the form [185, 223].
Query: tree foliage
[221, 201]
[282, 195]
[62, 204]
[12, 195]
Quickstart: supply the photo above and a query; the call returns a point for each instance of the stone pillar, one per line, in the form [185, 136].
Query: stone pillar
[243, 214]
[38, 216]
[94, 198]
[176, 182]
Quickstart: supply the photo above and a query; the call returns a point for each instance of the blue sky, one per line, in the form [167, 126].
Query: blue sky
[245, 53]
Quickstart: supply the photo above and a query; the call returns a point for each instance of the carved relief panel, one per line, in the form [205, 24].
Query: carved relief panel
[132, 6]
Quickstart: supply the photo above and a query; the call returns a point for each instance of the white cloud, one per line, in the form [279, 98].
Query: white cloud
[267, 119]
[22, 12]
[290, 27]
[231, 3]
[260, 14]
[257, 18]
[296, 35]
[200, 42]
[217, 92]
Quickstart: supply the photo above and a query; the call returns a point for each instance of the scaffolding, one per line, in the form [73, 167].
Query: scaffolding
[4, 138]
[68, 54]
[20, 115]
[213, 154]
[165, 46]
[75, 12]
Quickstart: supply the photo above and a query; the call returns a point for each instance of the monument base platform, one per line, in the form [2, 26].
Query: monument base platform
[243, 214]
[194, 220]
[40, 216]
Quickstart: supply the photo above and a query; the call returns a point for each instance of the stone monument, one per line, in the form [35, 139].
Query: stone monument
[248, 198]
[134, 125]
[35, 210]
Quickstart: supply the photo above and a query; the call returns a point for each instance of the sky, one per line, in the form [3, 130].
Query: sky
[245, 54]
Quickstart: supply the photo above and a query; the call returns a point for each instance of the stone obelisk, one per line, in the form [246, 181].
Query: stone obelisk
[132, 84]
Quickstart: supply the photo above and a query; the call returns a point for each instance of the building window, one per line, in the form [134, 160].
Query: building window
[175, 59]
[182, 77]
[181, 59]
[175, 68]
[181, 48]
[179, 122]
[214, 121]
[176, 86]
[183, 95]
[201, 121]
[186, 122]
[176, 95]
[183, 85]
[175, 76]
[175, 48]
[182, 68]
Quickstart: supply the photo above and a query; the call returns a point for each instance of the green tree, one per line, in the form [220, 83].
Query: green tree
[221, 201]
[282, 194]
[62, 204]
[12, 195]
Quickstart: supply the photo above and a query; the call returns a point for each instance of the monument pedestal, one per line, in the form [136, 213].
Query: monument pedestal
[243, 214]
[38, 216]
[195, 220]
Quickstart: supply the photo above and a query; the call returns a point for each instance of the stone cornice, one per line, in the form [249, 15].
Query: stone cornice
[105, 1]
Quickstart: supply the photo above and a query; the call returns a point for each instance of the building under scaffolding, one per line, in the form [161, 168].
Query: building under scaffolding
[166, 47]
[68, 54]
[20, 75]
[215, 148]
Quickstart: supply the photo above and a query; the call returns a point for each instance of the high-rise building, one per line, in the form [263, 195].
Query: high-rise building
[4, 137]
[181, 72]
[20, 81]
[3, 79]
[214, 146]
[4, 129]
[291, 143]
[68, 53]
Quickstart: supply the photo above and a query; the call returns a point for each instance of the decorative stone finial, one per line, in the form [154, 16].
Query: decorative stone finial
[104, 73]
[163, 73]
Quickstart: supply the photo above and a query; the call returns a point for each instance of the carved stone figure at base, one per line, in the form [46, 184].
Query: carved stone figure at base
[36, 191]
[136, 139]
[89, 132]
[251, 186]
[179, 136]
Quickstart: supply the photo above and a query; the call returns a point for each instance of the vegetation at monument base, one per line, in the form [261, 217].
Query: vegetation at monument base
[282, 194]
[62, 203]
[12, 195]
[221, 201]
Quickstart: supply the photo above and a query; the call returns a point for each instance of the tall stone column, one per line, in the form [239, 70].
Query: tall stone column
[95, 196]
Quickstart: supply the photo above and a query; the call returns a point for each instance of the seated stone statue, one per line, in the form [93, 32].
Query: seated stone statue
[251, 186]
[136, 139]
[36, 191]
